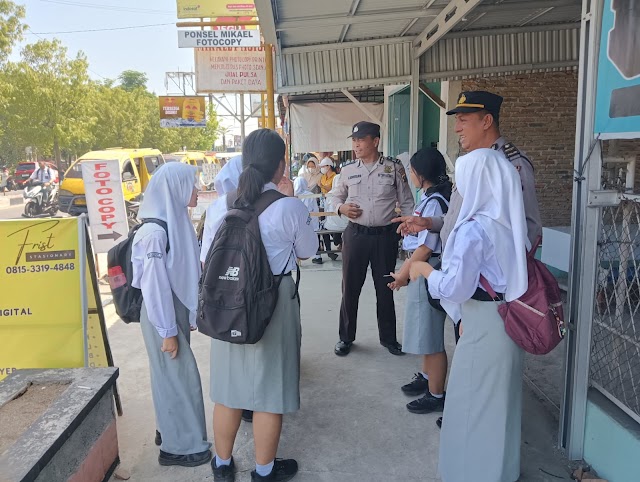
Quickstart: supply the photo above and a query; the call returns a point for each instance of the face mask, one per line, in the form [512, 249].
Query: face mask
[324, 170]
[312, 170]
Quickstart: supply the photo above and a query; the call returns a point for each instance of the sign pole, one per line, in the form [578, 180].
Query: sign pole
[271, 110]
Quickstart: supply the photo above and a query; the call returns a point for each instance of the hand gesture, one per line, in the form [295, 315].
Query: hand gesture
[170, 346]
[285, 186]
[412, 224]
[350, 210]
[398, 282]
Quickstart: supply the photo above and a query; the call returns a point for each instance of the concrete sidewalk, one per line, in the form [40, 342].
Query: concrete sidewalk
[353, 424]
[11, 198]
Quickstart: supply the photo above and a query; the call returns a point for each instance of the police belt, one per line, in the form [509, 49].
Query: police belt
[482, 295]
[374, 230]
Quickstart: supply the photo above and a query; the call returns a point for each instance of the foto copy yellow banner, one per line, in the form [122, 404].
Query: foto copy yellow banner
[41, 312]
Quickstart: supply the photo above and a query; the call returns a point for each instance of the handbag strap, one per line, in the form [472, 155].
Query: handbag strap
[487, 287]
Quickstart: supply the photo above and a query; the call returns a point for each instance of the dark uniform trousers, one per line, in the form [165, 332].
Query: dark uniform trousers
[362, 246]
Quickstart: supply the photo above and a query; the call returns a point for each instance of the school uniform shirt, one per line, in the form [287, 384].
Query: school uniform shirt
[285, 226]
[148, 256]
[428, 207]
[474, 255]
[44, 175]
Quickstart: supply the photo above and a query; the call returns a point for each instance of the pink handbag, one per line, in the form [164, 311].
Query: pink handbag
[535, 321]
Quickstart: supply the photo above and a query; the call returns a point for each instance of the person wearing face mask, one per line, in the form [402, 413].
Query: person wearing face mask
[312, 174]
[166, 270]
[328, 172]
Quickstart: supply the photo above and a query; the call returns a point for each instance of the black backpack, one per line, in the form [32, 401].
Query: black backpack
[238, 291]
[443, 205]
[127, 299]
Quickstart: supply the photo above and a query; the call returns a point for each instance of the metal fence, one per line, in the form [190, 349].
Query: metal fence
[615, 348]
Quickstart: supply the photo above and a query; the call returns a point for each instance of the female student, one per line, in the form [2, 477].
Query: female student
[312, 174]
[423, 324]
[167, 270]
[264, 377]
[480, 438]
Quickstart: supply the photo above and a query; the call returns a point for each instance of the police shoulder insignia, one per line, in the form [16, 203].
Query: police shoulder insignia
[348, 163]
[403, 174]
[513, 153]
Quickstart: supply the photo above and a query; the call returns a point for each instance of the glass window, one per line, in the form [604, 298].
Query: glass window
[152, 163]
[30, 166]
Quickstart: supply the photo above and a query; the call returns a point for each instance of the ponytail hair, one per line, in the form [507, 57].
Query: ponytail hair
[429, 164]
[262, 152]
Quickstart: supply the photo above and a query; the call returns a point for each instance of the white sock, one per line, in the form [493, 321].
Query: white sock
[264, 470]
[437, 396]
[220, 462]
[426, 377]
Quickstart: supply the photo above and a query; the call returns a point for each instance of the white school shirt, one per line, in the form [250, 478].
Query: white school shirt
[148, 256]
[475, 255]
[428, 207]
[44, 175]
[285, 227]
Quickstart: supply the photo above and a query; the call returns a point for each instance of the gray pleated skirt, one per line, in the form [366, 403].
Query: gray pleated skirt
[480, 438]
[176, 388]
[264, 377]
[423, 324]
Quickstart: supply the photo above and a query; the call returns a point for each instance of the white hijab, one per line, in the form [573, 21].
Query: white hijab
[229, 176]
[167, 197]
[312, 179]
[491, 193]
[301, 188]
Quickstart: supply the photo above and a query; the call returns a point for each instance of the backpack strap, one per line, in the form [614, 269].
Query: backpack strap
[266, 199]
[160, 223]
[441, 201]
[487, 287]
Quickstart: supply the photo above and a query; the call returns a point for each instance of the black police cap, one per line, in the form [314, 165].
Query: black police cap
[476, 101]
[364, 129]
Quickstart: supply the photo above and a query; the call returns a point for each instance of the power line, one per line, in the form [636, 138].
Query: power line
[116, 8]
[104, 29]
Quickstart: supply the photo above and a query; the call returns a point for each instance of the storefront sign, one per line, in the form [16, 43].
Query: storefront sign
[105, 203]
[176, 111]
[230, 70]
[215, 8]
[218, 38]
[618, 96]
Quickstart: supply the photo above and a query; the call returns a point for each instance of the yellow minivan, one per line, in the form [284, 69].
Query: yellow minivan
[136, 166]
[194, 158]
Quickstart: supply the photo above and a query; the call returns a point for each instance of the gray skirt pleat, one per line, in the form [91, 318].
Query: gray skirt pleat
[481, 424]
[176, 388]
[423, 324]
[264, 377]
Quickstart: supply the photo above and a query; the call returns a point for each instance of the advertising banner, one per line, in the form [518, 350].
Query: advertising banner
[105, 203]
[215, 8]
[41, 308]
[230, 70]
[177, 111]
[618, 96]
[218, 38]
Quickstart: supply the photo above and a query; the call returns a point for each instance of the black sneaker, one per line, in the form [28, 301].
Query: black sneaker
[418, 386]
[247, 416]
[316, 260]
[333, 256]
[342, 348]
[394, 348]
[224, 473]
[439, 423]
[158, 439]
[191, 460]
[283, 469]
[426, 404]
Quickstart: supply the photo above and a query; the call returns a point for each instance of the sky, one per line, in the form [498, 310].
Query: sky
[152, 50]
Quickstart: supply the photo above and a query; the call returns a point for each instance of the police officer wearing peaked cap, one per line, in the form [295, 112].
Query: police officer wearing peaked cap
[367, 194]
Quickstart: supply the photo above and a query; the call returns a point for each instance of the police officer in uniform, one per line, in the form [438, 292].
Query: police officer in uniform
[367, 194]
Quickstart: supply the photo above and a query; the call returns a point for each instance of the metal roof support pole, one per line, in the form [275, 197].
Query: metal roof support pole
[362, 107]
[414, 113]
[450, 15]
[584, 239]
[271, 93]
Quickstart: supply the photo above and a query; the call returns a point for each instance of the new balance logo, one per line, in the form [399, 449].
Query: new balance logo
[231, 274]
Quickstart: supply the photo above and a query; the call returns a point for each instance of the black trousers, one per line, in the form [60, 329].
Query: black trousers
[359, 249]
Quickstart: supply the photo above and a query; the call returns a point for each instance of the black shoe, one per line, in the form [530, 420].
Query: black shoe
[247, 416]
[418, 386]
[158, 439]
[342, 348]
[333, 256]
[394, 348]
[283, 469]
[316, 260]
[191, 460]
[426, 404]
[224, 473]
[439, 423]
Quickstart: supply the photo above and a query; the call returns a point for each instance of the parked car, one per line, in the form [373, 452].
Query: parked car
[24, 170]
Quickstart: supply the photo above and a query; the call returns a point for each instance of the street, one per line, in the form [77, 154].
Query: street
[11, 212]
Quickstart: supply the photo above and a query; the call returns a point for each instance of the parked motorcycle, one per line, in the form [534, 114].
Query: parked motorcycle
[133, 207]
[37, 203]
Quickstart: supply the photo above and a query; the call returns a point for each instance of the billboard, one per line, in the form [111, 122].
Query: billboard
[231, 70]
[215, 8]
[618, 95]
[176, 111]
[218, 38]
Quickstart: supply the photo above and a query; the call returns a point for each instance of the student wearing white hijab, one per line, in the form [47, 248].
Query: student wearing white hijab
[480, 438]
[167, 270]
[312, 174]
[227, 178]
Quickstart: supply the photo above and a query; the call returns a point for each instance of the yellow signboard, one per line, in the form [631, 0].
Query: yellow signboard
[215, 8]
[50, 310]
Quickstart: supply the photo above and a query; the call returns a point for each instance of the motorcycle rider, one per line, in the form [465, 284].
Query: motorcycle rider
[47, 176]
